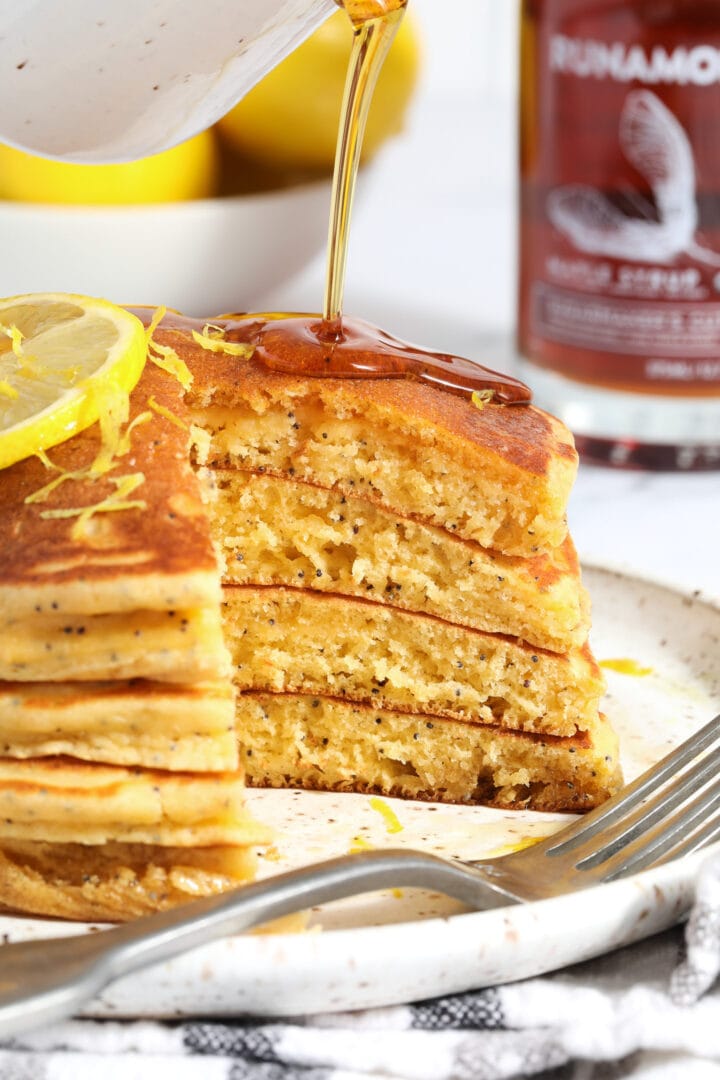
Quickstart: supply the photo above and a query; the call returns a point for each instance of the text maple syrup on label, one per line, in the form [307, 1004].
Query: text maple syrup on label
[619, 290]
[331, 346]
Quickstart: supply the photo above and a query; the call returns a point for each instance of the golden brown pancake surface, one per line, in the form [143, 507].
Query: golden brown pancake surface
[409, 446]
[160, 556]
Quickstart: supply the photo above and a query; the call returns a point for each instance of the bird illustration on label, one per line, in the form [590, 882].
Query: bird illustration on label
[657, 146]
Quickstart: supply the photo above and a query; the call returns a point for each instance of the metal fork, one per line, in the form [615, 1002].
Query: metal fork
[670, 811]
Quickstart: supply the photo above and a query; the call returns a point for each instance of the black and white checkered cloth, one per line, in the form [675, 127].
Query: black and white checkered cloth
[650, 1011]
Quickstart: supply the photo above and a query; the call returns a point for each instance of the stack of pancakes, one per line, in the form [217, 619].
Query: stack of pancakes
[343, 584]
[402, 602]
[120, 790]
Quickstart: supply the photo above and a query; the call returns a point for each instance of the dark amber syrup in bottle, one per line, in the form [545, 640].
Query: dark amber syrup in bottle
[619, 285]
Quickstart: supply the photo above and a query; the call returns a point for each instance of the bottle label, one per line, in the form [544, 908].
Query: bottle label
[699, 66]
[620, 199]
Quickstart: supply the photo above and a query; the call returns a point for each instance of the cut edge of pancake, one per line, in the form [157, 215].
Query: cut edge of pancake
[272, 530]
[299, 640]
[323, 743]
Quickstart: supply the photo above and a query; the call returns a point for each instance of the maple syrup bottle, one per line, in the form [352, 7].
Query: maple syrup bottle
[619, 291]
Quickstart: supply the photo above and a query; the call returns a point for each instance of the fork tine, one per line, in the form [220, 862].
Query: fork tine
[703, 838]
[665, 838]
[618, 807]
[653, 811]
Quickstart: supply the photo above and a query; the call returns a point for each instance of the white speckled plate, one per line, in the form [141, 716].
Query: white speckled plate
[394, 947]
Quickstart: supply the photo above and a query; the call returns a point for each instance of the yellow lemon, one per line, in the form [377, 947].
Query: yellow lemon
[187, 171]
[63, 359]
[290, 119]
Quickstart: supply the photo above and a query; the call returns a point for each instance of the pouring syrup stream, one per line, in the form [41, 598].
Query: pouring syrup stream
[374, 28]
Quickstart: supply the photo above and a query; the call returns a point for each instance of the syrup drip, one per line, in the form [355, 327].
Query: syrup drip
[302, 345]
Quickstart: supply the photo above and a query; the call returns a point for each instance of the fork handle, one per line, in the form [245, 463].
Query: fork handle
[47, 980]
[159, 937]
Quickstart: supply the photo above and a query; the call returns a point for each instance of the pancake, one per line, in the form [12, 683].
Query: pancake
[122, 723]
[128, 594]
[299, 640]
[327, 744]
[184, 646]
[61, 800]
[275, 531]
[117, 796]
[114, 882]
[498, 475]
[295, 469]
[157, 557]
[381, 568]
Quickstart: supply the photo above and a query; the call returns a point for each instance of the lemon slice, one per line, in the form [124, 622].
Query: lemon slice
[61, 357]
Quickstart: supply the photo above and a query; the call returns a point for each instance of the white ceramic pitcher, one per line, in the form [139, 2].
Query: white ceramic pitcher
[112, 80]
